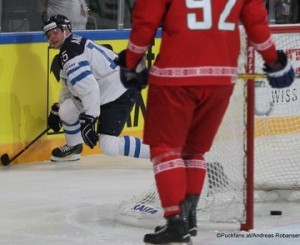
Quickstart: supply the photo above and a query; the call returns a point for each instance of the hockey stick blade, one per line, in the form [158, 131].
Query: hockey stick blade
[5, 159]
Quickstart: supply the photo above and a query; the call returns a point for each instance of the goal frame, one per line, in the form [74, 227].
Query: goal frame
[250, 127]
[249, 176]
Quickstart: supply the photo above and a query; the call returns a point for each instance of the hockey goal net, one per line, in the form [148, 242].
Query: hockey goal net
[270, 123]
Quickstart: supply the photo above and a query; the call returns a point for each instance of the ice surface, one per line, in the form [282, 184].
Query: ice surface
[75, 203]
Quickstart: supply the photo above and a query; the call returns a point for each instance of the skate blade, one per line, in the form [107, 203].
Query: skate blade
[72, 158]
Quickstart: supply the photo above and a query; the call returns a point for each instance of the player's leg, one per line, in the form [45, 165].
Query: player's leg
[125, 146]
[112, 120]
[195, 173]
[165, 106]
[207, 117]
[69, 112]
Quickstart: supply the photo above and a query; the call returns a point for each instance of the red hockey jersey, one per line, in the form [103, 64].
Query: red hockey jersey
[200, 39]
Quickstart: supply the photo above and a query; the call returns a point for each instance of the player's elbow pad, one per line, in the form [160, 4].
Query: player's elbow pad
[283, 77]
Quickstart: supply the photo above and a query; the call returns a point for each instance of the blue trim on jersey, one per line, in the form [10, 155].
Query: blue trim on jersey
[112, 65]
[84, 63]
[126, 145]
[137, 148]
[81, 64]
[80, 77]
[74, 124]
[72, 131]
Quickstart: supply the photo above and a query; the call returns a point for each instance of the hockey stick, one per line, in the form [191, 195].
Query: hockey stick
[254, 76]
[5, 160]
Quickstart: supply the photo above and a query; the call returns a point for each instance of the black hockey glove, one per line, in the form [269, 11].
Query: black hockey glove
[54, 121]
[88, 133]
[283, 75]
[135, 78]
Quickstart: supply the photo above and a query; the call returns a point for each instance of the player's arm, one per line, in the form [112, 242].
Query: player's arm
[254, 19]
[144, 28]
[54, 121]
[83, 85]
[279, 71]
[64, 91]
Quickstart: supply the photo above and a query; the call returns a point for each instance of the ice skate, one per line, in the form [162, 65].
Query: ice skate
[176, 231]
[66, 153]
[192, 224]
[190, 206]
[192, 220]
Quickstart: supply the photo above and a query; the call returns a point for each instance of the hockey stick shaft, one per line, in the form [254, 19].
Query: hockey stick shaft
[257, 76]
[26, 147]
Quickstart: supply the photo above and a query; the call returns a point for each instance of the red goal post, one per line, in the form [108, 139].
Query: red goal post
[272, 131]
[255, 152]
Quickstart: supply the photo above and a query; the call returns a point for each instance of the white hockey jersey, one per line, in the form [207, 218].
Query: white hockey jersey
[89, 73]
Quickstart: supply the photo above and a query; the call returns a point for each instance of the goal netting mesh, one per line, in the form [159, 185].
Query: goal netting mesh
[276, 147]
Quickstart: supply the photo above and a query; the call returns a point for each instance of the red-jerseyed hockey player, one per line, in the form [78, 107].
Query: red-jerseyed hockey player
[190, 85]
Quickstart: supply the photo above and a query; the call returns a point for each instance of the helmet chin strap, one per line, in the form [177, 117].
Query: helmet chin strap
[66, 35]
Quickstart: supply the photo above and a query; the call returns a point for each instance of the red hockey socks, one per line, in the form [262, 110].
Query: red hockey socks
[171, 184]
[195, 171]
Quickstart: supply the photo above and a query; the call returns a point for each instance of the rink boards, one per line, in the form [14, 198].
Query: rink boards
[29, 87]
